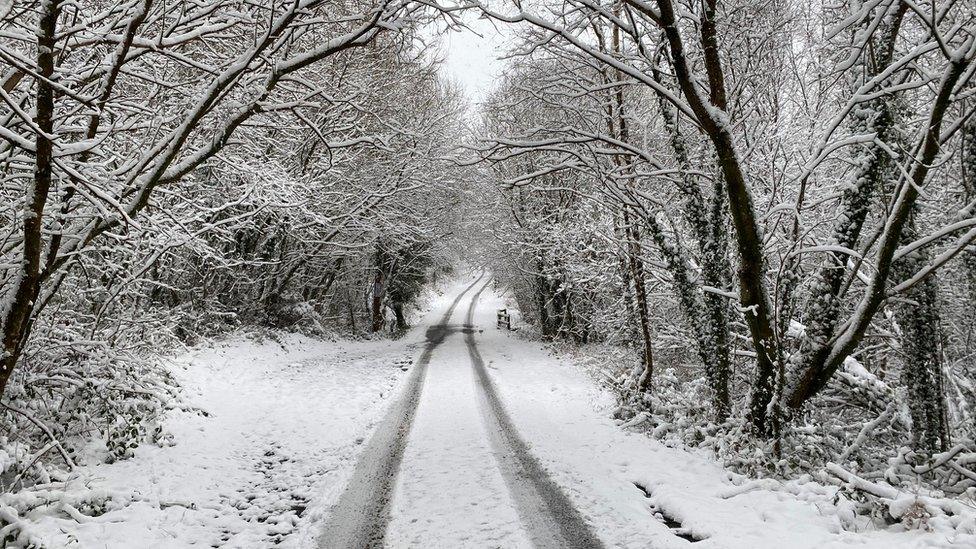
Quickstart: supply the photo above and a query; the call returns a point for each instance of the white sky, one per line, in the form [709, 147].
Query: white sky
[472, 60]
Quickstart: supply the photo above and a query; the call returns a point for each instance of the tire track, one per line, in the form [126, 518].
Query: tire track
[360, 517]
[549, 517]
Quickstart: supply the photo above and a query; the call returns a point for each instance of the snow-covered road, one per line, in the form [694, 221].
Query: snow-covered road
[447, 434]
[466, 478]
[459, 435]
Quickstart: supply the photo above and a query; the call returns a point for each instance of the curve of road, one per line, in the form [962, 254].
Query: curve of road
[361, 516]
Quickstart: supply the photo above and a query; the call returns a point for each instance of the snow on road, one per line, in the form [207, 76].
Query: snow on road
[466, 478]
[551, 519]
[450, 492]
[429, 456]
[288, 420]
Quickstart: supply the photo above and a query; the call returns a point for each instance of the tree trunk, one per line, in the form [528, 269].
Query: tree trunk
[922, 373]
[716, 272]
[401, 319]
[753, 294]
[706, 312]
[376, 307]
[640, 295]
[633, 263]
[543, 297]
[351, 308]
[26, 287]
[969, 189]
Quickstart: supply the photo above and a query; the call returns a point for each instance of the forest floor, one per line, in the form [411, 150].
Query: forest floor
[456, 435]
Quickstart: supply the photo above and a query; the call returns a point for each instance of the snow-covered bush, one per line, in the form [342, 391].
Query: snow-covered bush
[770, 212]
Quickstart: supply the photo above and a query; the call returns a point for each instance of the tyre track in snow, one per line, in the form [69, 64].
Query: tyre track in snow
[360, 517]
[549, 517]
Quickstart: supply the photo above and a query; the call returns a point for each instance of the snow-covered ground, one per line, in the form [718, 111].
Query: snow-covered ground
[287, 418]
[565, 418]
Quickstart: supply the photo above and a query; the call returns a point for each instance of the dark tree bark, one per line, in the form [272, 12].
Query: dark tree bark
[26, 287]
[710, 112]
[917, 313]
[401, 319]
[709, 313]
[969, 190]
[636, 267]
[616, 120]
[542, 296]
[376, 303]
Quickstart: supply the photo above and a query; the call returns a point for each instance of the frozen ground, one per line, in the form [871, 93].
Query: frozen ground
[288, 420]
[565, 418]
[285, 420]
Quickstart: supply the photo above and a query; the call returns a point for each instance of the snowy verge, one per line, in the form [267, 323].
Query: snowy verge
[278, 425]
[634, 489]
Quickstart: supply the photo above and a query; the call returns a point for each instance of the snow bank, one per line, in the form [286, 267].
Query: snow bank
[279, 426]
[635, 490]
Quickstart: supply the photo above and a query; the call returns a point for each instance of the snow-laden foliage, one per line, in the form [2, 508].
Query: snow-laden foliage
[763, 212]
[770, 206]
[171, 172]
